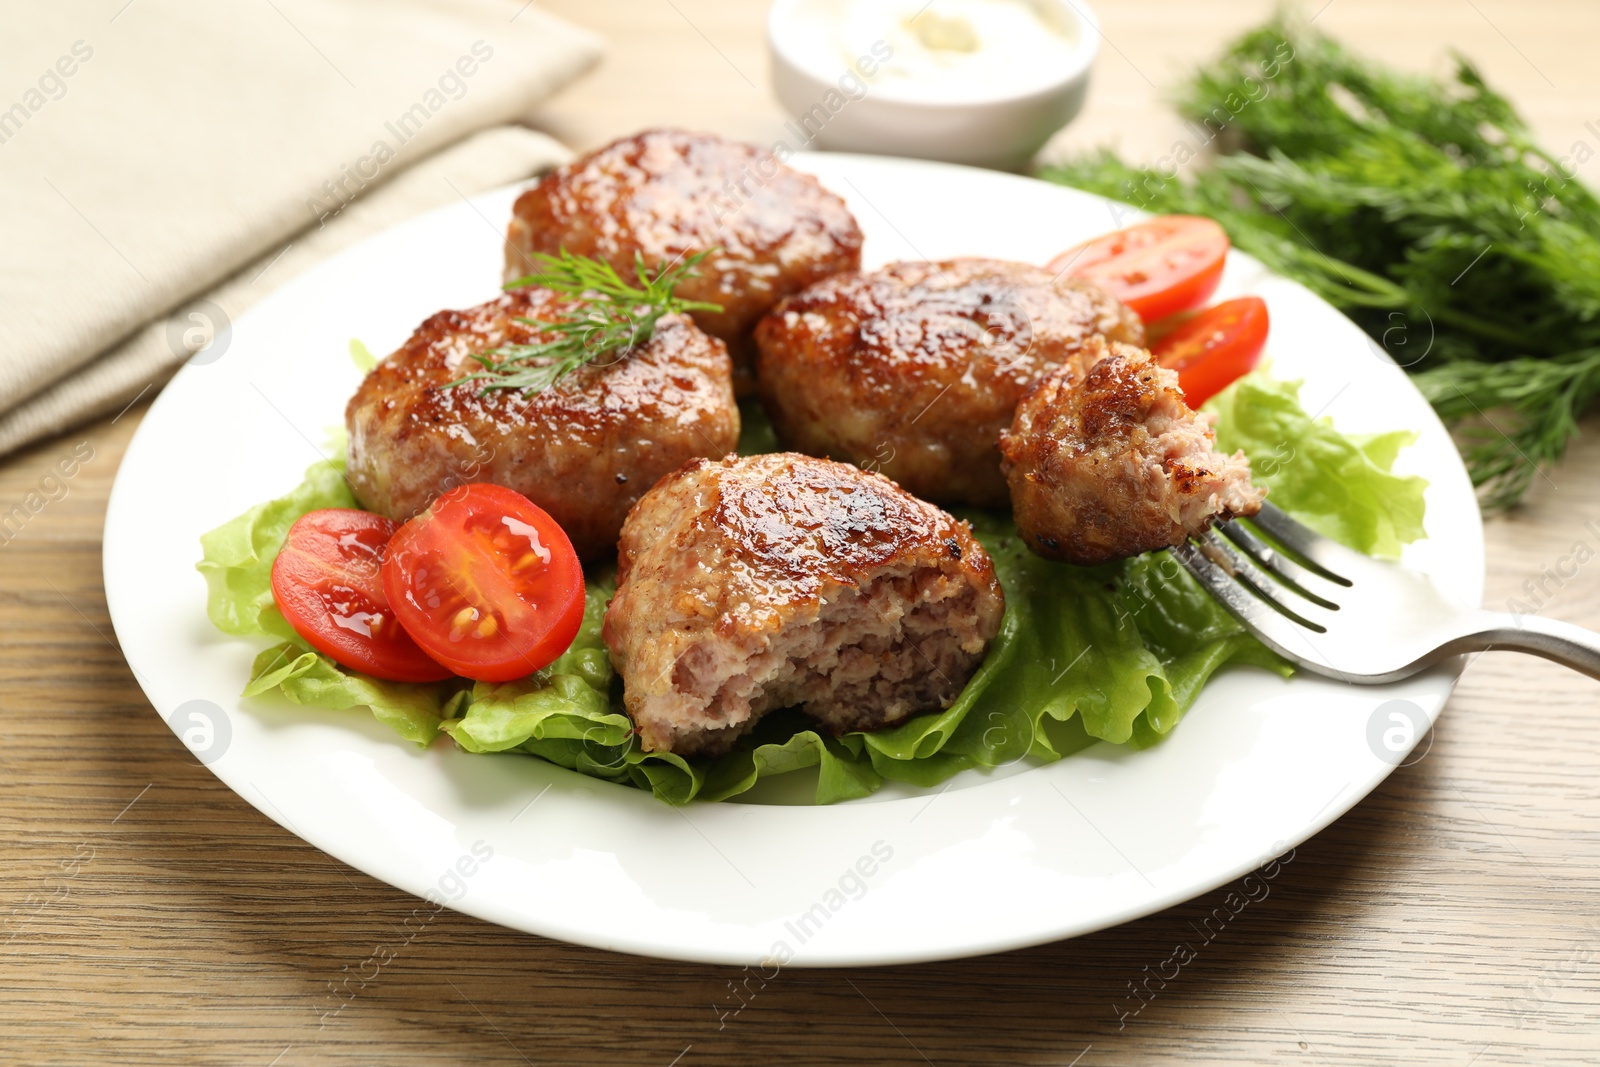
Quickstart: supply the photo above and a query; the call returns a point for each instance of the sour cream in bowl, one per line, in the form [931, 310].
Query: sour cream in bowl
[984, 82]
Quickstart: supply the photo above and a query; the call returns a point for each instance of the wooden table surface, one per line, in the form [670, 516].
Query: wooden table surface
[1452, 918]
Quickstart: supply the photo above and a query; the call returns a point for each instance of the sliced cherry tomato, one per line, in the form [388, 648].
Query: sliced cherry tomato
[326, 583]
[1215, 347]
[1157, 268]
[486, 582]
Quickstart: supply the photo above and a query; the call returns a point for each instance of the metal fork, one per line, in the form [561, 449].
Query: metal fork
[1338, 613]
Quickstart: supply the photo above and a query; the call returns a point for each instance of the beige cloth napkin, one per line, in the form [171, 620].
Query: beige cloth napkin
[155, 152]
[199, 328]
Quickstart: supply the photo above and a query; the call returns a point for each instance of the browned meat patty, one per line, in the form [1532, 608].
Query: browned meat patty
[584, 450]
[778, 580]
[1113, 463]
[915, 369]
[664, 194]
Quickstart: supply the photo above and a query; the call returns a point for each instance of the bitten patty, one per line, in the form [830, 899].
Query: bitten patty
[1111, 463]
[584, 450]
[665, 194]
[913, 370]
[779, 580]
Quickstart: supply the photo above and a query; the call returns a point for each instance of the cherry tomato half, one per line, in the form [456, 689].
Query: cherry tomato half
[486, 582]
[1157, 268]
[326, 583]
[1215, 347]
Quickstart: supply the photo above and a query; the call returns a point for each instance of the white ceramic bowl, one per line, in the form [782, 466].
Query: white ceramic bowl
[991, 129]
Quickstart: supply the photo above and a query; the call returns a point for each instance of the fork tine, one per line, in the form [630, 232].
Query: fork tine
[1323, 555]
[1273, 628]
[1282, 566]
[1281, 598]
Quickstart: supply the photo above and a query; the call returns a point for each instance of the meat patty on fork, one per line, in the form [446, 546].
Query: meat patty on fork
[1111, 463]
[779, 580]
[913, 370]
[583, 450]
[666, 194]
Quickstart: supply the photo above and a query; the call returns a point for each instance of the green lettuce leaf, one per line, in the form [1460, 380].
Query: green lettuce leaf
[237, 556]
[308, 677]
[1115, 653]
[362, 356]
[1339, 485]
[565, 714]
[568, 701]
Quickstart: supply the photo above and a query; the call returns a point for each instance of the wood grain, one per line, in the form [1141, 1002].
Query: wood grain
[1451, 918]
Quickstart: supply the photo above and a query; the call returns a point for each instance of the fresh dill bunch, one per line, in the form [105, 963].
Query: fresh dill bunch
[1506, 413]
[615, 317]
[1422, 209]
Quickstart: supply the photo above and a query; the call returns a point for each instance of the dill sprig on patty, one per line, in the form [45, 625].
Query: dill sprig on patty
[614, 319]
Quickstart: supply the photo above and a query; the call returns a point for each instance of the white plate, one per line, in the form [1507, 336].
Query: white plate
[1020, 857]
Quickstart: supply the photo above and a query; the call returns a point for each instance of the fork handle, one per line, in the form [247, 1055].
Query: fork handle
[1565, 643]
